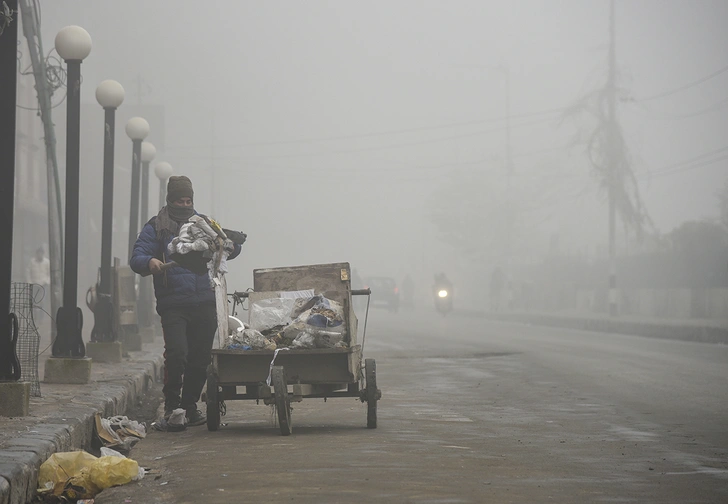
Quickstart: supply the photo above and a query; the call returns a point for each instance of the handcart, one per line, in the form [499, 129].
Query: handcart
[287, 375]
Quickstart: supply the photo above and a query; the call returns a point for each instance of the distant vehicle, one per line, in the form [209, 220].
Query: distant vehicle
[443, 300]
[442, 291]
[385, 292]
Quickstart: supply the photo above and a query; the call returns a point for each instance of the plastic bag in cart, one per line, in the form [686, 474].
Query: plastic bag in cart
[265, 314]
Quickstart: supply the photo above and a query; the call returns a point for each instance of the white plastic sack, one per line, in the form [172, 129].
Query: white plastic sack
[268, 313]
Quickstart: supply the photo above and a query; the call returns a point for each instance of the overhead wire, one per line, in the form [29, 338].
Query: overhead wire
[695, 166]
[55, 74]
[684, 87]
[379, 133]
[705, 159]
[712, 108]
[294, 171]
[370, 149]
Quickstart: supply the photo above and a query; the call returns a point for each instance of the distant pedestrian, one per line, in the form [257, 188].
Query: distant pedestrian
[39, 274]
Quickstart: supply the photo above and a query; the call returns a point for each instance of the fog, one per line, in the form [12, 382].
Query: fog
[340, 131]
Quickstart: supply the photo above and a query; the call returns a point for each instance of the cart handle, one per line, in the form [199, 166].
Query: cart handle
[354, 292]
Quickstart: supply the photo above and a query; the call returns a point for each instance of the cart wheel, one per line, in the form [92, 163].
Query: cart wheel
[283, 402]
[212, 402]
[373, 394]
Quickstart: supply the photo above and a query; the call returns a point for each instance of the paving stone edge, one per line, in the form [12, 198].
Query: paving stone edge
[71, 429]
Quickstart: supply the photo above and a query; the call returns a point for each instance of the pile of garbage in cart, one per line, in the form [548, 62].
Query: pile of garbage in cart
[297, 320]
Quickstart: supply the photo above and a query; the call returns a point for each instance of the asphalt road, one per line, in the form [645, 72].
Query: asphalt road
[473, 411]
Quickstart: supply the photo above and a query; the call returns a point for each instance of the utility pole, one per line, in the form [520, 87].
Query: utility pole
[507, 252]
[509, 157]
[55, 224]
[509, 165]
[612, 167]
[9, 363]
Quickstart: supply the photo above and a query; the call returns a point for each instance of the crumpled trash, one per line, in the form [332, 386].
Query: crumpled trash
[319, 324]
[316, 338]
[304, 340]
[119, 432]
[108, 452]
[329, 339]
[326, 313]
[249, 339]
[297, 319]
[80, 475]
[176, 422]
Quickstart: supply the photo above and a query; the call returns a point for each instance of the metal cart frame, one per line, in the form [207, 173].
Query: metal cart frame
[283, 376]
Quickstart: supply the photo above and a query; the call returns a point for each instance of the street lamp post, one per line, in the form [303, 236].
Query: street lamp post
[73, 44]
[148, 154]
[163, 171]
[9, 362]
[145, 286]
[110, 95]
[137, 128]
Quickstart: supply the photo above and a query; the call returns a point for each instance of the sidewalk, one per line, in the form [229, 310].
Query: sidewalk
[62, 419]
[698, 330]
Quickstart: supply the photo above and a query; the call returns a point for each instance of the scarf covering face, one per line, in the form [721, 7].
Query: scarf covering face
[170, 219]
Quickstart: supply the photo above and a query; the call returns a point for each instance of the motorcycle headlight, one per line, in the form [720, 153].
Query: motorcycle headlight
[442, 293]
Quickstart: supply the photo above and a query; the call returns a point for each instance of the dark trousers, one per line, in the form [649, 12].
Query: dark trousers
[188, 335]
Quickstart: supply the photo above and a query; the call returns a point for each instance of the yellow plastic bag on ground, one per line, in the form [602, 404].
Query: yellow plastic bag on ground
[80, 475]
[110, 471]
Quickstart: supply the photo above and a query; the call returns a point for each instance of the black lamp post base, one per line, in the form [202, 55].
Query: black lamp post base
[9, 362]
[69, 341]
[103, 330]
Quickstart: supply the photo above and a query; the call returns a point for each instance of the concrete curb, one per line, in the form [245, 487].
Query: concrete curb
[72, 428]
[674, 330]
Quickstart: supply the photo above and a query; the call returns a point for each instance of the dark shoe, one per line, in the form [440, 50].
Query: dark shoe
[196, 417]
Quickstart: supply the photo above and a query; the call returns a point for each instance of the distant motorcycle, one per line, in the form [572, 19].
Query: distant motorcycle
[443, 300]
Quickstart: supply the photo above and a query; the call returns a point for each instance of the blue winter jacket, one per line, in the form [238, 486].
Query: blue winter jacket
[176, 287]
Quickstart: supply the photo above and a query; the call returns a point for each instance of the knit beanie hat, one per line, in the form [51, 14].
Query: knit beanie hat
[178, 187]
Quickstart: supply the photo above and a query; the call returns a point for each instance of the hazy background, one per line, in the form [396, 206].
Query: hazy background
[327, 130]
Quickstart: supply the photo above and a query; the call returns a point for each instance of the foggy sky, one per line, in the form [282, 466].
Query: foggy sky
[330, 123]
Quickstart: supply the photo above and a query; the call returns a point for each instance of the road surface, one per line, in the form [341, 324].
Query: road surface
[472, 411]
